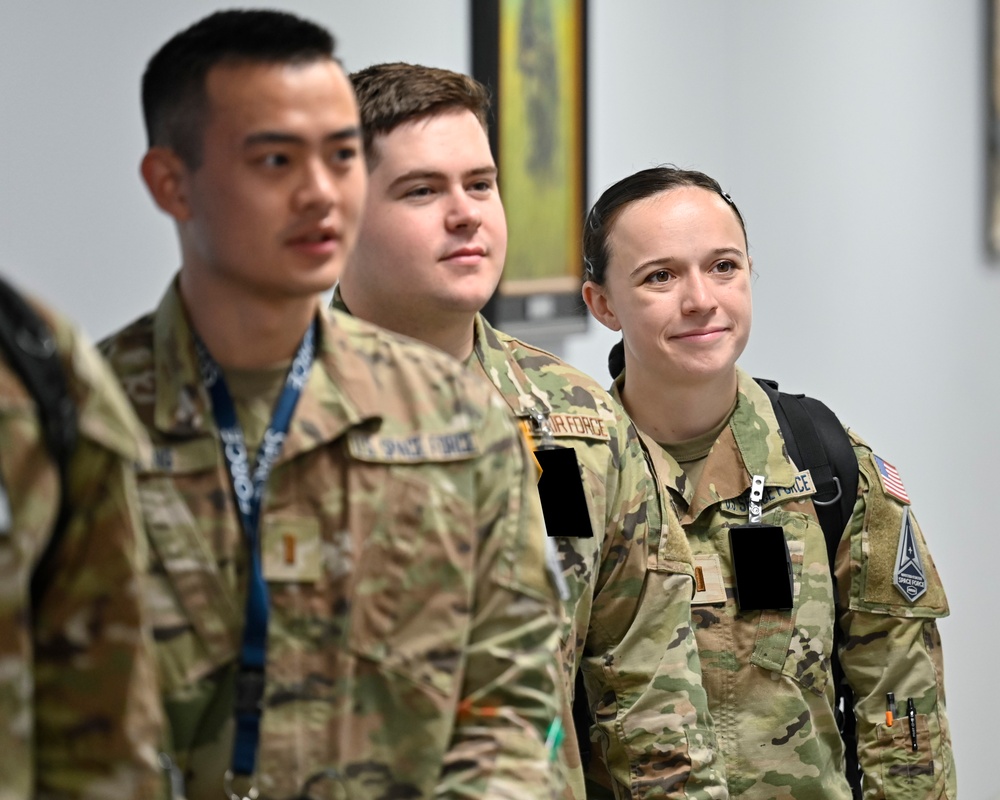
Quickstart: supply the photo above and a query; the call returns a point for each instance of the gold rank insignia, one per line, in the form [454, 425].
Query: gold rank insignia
[290, 549]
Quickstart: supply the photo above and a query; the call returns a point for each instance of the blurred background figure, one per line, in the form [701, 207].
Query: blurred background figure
[78, 693]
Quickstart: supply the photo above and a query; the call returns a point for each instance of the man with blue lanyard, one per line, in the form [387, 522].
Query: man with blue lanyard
[347, 585]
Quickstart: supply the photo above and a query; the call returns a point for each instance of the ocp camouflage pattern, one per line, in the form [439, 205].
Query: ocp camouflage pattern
[628, 618]
[417, 659]
[78, 699]
[767, 673]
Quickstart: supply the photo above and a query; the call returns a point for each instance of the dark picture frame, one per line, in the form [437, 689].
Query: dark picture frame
[532, 56]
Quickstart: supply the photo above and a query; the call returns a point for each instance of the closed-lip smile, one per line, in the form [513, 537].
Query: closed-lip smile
[701, 334]
[471, 252]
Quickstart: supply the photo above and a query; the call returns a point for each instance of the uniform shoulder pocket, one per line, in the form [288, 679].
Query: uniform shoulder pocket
[907, 773]
[891, 567]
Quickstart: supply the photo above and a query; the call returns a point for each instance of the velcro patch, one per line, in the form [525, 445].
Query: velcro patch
[290, 550]
[892, 484]
[909, 576]
[579, 425]
[417, 448]
[802, 486]
[708, 584]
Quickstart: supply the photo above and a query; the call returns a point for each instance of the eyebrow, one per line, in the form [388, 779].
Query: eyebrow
[280, 137]
[488, 171]
[668, 260]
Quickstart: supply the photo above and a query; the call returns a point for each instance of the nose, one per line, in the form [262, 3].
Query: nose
[319, 189]
[698, 296]
[463, 212]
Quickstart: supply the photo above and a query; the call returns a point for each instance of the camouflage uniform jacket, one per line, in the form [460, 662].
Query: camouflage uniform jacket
[628, 623]
[412, 634]
[78, 696]
[767, 673]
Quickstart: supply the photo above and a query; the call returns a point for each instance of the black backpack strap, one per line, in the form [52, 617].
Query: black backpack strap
[816, 441]
[31, 351]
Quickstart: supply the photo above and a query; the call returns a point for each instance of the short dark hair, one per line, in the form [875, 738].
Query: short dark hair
[616, 198]
[395, 93]
[174, 98]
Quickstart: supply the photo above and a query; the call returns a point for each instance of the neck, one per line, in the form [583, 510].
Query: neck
[452, 332]
[672, 413]
[456, 340]
[245, 331]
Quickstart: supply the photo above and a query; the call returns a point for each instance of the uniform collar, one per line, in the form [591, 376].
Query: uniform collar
[340, 393]
[337, 301]
[492, 349]
[182, 408]
[739, 452]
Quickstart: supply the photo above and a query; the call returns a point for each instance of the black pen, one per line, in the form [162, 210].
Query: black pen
[911, 713]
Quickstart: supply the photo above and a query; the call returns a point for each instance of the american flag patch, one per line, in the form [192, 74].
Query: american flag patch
[891, 482]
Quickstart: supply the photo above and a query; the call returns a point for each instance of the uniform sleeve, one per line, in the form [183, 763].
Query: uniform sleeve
[890, 598]
[643, 673]
[503, 742]
[97, 705]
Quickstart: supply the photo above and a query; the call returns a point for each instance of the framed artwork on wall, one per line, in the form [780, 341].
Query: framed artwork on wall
[532, 56]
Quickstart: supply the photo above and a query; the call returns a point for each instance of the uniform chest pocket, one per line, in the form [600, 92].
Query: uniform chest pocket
[798, 643]
[412, 600]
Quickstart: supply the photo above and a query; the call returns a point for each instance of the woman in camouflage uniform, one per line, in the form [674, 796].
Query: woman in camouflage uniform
[668, 265]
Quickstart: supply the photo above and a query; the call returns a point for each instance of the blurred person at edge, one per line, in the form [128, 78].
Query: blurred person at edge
[78, 694]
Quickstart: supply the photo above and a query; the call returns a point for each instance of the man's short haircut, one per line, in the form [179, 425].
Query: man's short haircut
[174, 94]
[390, 95]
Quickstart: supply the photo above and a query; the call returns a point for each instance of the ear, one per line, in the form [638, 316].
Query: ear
[597, 300]
[167, 179]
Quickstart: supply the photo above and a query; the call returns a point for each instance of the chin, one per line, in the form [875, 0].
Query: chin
[468, 302]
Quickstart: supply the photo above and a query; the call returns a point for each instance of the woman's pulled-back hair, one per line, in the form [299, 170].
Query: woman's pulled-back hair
[609, 206]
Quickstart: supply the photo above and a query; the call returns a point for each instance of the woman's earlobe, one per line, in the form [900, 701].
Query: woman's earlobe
[600, 308]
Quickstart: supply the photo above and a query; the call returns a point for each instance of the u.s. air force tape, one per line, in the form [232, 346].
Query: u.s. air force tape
[450, 446]
[581, 425]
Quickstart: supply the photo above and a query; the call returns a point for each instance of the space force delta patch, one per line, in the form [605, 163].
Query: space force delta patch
[421, 447]
[909, 576]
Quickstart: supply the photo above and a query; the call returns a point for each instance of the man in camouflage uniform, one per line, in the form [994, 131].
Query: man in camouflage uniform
[77, 685]
[429, 256]
[411, 636]
[780, 737]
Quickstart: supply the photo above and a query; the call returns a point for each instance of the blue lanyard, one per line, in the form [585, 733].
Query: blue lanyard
[248, 488]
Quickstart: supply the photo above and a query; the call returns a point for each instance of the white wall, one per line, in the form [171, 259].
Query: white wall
[851, 134]
[76, 224]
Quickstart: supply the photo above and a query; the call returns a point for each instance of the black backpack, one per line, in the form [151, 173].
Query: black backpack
[30, 349]
[816, 441]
